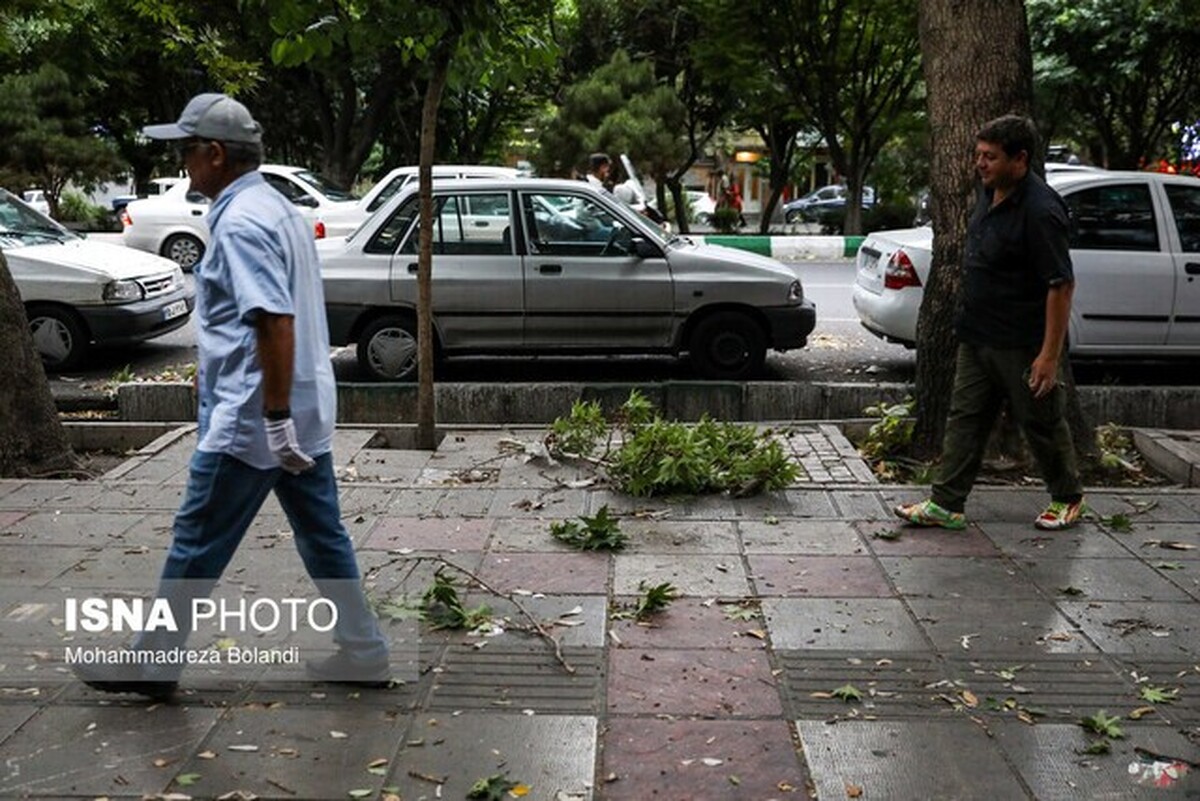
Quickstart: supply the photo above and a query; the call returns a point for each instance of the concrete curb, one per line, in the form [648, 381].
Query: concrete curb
[495, 403]
[789, 248]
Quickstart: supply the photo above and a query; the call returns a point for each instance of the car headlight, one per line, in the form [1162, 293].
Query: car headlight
[795, 293]
[177, 278]
[122, 291]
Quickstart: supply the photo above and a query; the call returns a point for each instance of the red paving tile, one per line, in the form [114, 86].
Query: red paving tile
[675, 759]
[690, 623]
[551, 573]
[691, 682]
[818, 576]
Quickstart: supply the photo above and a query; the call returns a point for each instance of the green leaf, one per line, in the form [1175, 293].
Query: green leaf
[493, 788]
[741, 613]
[889, 534]
[654, 599]
[1169, 565]
[601, 532]
[187, 779]
[1119, 523]
[359, 793]
[1101, 724]
[1098, 748]
[848, 693]
[1159, 695]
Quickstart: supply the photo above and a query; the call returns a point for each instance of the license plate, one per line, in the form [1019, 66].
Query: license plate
[176, 309]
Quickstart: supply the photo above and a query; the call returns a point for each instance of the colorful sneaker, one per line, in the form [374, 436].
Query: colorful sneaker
[1059, 515]
[928, 513]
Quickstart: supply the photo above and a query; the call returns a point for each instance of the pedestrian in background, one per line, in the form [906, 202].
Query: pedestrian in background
[267, 398]
[599, 169]
[1012, 326]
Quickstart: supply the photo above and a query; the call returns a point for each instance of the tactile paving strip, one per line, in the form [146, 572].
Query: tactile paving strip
[1058, 687]
[893, 684]
[506, 678]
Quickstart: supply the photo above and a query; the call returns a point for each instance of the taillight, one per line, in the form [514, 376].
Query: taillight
[319, 229]
[900, 272]
[126, 220]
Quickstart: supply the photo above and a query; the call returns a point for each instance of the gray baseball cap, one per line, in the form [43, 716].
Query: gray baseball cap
[210, 116]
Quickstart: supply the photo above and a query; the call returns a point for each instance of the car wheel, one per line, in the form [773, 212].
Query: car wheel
[703, 218]
[728, 346]
[183, 249]
[59, 336]
[793, 216]
[387, 349]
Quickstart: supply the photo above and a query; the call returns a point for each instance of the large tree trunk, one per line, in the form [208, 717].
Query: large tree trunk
[977, 64]
[426, 413]
[32, 441]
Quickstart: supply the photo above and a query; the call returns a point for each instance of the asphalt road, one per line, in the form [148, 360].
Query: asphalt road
[838, 350]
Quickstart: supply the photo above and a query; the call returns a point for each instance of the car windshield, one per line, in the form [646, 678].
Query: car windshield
[324, 186]
[21, 225]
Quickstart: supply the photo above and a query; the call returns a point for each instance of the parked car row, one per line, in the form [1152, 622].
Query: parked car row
[79, 293]
[1135, 247]
[174, 224]
[826, 205]
[540, 266]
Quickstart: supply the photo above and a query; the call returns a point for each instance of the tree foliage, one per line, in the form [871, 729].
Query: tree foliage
[620, 108]
[44, 137]
[1118, 74]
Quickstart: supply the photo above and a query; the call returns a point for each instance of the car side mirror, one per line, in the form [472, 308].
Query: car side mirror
[645, 249]
[308, 201]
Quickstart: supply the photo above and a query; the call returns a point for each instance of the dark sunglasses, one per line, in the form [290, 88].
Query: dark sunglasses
[186, 147]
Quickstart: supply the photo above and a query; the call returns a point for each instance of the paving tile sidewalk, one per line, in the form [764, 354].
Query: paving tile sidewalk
[975, 653]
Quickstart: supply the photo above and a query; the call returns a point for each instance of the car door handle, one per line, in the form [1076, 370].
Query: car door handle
[1192, 268]
[412, 269]
[481, 223]
[550, 269]
[197, 212]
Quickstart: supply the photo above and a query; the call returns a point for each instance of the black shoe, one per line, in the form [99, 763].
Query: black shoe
[108, 680]
[341, 668]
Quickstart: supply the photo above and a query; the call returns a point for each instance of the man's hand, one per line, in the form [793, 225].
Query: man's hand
[281, 439]
[1043, 376]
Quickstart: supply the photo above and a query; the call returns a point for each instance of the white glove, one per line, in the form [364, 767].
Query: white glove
[281, 439]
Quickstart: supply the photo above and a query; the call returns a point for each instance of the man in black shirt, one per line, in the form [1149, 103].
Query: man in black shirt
[1017, 286]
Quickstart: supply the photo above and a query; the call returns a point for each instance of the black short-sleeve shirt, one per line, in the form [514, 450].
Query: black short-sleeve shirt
[1015, 252]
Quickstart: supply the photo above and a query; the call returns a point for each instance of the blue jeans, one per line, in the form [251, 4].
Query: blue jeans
[222, 499]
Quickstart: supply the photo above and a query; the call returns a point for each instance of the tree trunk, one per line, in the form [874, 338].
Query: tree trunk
[426, 413]
[32, 441]
[977, 65]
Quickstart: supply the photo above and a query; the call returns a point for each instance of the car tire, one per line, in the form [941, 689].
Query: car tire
[183, 249]
[387, 349]
[59, 336]
[793, 216]
[727, 346]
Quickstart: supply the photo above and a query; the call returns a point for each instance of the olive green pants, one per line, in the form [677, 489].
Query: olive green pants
[984, 378]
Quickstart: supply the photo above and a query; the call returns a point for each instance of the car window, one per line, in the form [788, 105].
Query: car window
[460, 229]
[571, 225]
[21, 225]
[196, 197]
[393, 186]
[285, 187]
[1117, 217]
[323, 185]
[1185, 208]
[391, 233]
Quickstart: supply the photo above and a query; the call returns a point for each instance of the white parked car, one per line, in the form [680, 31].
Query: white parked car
[173, 224]
[36, 199]
[526, 266]
[702, 205]
[1135, 248]
[343, 220]
[79, 293]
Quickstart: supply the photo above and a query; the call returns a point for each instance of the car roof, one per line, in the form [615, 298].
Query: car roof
[1071, 178]
[508, 184]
